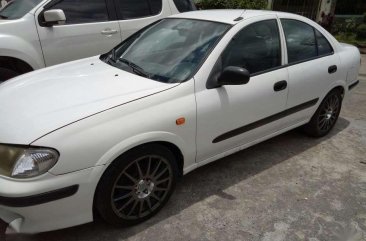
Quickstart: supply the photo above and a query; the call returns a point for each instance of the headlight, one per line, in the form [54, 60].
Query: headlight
[19, 162]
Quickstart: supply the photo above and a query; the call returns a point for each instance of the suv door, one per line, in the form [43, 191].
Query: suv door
[90, 29]
[136, 14]
[312, 67]
[233, 115]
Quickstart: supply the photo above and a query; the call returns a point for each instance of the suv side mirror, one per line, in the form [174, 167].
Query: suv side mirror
[54, 17]
[234, 76]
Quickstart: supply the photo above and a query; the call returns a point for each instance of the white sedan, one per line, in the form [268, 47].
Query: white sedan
[112, 134]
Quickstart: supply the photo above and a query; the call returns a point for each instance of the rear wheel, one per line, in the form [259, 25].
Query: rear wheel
[137, 185]
[326, 116]
[6, 74]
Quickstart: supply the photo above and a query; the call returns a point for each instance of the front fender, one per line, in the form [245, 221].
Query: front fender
[15, 47]
[19, 39]
[139, 140]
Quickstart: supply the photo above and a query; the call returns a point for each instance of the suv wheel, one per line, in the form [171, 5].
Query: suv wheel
[6, 74]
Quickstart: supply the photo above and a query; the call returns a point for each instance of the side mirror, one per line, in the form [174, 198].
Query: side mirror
[54, 17]
[234, 76]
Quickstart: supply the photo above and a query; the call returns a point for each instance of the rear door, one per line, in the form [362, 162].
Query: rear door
[91, 28]
[136, 14]
[312, 67]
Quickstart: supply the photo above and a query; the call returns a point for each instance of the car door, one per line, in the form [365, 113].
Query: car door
[136, 14]
[90, 29]
[312, 67]
[233, 115]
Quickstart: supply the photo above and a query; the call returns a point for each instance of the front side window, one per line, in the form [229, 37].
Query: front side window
[17, 9]
[304, 42]
[83, 11]
[169, 51]
[255, 48]
[130, 9]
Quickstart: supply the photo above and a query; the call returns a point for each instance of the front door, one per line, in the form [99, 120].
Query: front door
[136, 14]
[87, 32]
[231, 116]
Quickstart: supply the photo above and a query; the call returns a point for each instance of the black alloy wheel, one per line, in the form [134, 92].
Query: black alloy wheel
[137, 185]
[326, 115]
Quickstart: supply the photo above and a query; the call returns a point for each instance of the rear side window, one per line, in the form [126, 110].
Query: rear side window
[83, 11]
[324, 46]
[303, 41]
[300, 40]
[184, 5]
[129, 9]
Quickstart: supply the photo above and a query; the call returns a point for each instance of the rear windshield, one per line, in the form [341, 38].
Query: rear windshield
[18, 8]
[185, 5]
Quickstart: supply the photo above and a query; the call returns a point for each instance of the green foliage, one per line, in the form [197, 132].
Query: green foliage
[233, 4]
[364, 18]
[346, 27]
[361, 31]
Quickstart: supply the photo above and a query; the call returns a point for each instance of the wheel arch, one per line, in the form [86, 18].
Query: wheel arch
[340, 88]
[340, 85]
[16, 64]
[168, 140]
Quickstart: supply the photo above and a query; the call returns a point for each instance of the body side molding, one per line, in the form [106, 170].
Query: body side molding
[265, 121]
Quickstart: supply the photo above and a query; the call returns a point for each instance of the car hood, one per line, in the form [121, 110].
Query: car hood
[40, 102]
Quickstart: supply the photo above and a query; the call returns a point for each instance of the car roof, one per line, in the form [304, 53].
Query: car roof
[232, 16]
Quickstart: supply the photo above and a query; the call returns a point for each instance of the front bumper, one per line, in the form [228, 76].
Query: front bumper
[49, 203]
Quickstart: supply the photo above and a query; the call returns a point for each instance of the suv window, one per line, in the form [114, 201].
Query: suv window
[255, 48]
[184, 5]
[83, 11]
[130, 9]
[303, 41]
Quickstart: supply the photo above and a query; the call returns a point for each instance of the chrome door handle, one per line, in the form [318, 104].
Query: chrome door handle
[109, 31]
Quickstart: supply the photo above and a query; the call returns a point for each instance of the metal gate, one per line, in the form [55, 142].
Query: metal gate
[307, 8]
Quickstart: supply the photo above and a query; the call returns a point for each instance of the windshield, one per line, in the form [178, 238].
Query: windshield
[17, 8]
[169, 51]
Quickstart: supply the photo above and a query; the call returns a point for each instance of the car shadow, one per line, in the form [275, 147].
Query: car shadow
[209, 180]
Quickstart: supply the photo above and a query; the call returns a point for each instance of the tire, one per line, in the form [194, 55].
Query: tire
[136, 185]
[326, 115]
[6, 74]
[3, 227]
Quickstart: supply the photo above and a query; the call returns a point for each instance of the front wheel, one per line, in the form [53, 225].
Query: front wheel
[137, 185]
[326, 115]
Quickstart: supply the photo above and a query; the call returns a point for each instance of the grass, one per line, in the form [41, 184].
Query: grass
[350, 38]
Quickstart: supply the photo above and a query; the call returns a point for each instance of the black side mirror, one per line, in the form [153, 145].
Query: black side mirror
[234, 76]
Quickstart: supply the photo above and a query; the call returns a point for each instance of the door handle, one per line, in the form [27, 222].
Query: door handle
[281, 85]
[109, 31]
[332, 69]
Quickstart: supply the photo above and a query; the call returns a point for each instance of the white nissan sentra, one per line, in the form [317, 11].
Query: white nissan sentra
[111, 134]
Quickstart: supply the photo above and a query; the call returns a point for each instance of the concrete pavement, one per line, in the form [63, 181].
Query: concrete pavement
[289, 188]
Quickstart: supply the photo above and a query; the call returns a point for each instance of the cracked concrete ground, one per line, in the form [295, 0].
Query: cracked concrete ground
[289, 188]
